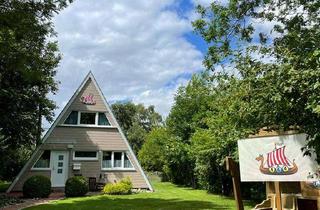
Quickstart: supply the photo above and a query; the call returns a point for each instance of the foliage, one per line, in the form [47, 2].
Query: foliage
[125, 114]
[217, 122]
[37, 187]
[152, 155]
[277, 71]
[189, 108]
[179, 165]
[136, 121]
[4, 186]
[136, 136]
[123, 187]
[12, 161]
[28, 61]
[166, 196]
[76, 186]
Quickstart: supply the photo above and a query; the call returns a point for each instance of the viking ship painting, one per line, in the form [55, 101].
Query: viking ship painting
[277, 163]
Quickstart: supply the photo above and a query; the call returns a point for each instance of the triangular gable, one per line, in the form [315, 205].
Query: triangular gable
[89, 89]
[88, 86]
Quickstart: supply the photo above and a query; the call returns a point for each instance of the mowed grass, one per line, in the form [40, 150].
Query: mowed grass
[4, 186]
[167, 197]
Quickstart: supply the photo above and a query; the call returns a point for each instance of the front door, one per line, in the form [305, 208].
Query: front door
[59, 168]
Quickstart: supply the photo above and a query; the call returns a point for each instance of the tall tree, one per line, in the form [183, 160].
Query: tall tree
[136, 121]
[280, 67]
[28, 62]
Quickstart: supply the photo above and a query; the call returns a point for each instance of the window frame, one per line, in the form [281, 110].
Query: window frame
[68, 117]
[96, 124]
[84, 158]
[122, 168]
[95, 118]
[41, 169]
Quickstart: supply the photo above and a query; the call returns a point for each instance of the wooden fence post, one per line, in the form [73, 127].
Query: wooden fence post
[233, 168]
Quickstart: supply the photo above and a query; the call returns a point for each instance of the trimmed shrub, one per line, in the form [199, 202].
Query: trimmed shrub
[121, 188]
[37, 187]
[76, 186]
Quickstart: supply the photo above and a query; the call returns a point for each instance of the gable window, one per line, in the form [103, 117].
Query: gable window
[85, 155]
[72, 118]
[87, 118]
[44, 161]
[116, 161]
[102, 119]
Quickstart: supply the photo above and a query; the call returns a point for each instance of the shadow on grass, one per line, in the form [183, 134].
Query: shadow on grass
[105, 202]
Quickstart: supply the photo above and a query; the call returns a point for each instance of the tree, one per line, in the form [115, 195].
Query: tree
[190, 107]
[219, 112]
[136, 137]
[151, 155]
[125, 113]
[27, 69]
[281, 72]
[186, 116]
[136, 121]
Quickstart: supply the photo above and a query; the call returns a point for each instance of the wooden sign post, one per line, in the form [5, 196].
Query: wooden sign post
[278, 195]
[233, 168]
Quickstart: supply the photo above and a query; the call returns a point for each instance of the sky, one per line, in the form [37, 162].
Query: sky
[139, 51]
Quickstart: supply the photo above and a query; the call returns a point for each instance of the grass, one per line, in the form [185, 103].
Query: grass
[167, 197]
[4, 186]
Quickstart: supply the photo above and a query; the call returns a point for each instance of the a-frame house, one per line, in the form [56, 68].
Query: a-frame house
[86, 140]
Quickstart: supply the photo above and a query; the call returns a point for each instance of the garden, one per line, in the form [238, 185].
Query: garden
[250, 79]
[166, 196]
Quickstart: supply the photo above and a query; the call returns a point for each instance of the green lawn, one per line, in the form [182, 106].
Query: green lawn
[166, 197]
[4, 186]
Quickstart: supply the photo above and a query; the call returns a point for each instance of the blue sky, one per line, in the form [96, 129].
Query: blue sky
[139, 51]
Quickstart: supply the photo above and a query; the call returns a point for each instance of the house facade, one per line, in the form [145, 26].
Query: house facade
[85, 140]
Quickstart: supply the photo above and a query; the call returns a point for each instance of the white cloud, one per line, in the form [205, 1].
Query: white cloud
[134, 49]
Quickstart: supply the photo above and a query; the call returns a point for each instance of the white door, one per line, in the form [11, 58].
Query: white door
[59, 168]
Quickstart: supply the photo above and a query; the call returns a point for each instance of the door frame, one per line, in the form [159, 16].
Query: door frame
[54, 153]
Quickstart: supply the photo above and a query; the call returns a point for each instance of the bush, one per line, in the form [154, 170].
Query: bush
[76, 186]
[121, 188]
[37, 187]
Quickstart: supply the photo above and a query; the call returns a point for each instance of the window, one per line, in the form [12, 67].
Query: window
[87, 118]
[44, 161]
[72, 118]
[107, 160]
[116, 160]
[85, 155]
[127, 163]
[102, 120]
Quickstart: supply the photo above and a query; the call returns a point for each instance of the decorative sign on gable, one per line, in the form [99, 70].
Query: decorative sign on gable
[88, 99]
[277, 158]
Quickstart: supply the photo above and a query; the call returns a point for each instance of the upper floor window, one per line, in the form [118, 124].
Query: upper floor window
[103, 119]
[87, 118]
[72, 119]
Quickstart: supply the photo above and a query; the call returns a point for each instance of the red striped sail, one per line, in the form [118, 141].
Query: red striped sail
[277, 157]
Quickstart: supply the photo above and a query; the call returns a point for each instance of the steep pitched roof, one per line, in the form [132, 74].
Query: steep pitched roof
[63, 112]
